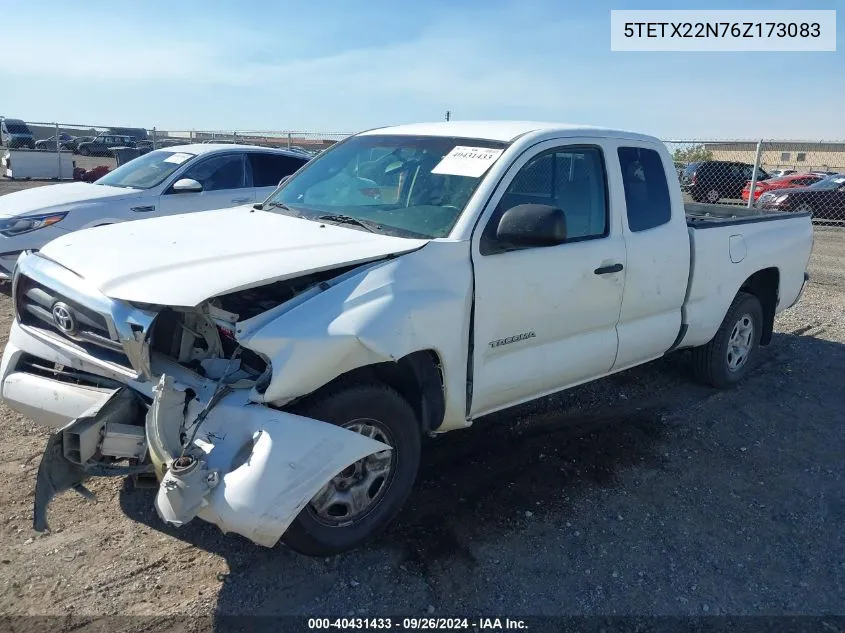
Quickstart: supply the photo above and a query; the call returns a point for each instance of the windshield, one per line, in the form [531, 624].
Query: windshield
[408, 186]
[146, 171]
[832, 182]
[17, 128]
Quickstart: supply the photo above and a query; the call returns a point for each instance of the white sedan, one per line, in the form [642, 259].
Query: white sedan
[168, 181]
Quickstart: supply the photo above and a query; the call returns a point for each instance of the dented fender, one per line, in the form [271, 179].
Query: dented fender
[380, 313]
[249, 469]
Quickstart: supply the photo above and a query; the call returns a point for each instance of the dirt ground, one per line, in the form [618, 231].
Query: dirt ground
[641, 494]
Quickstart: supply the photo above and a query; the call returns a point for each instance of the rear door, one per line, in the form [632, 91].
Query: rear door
[658, 255]
[224, 184]
[266, 169]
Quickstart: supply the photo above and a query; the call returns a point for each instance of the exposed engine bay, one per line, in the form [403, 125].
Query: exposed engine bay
[198, 338]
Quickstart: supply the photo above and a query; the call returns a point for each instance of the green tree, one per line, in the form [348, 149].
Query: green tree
[693, 154]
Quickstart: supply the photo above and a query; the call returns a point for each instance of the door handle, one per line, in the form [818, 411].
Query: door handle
[240, 200]
[605, 270]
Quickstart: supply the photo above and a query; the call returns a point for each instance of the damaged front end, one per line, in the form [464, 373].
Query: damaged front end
[189, 416]
[247, 468]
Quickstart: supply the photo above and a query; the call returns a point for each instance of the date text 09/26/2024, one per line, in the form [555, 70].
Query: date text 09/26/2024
[421, 623]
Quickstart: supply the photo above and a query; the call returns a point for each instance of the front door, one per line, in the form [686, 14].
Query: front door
[224, 184]
[545, 317]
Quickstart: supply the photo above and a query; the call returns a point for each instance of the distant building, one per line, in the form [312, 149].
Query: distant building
[802, 156]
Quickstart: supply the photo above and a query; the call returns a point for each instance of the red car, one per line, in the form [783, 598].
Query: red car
[785, 182]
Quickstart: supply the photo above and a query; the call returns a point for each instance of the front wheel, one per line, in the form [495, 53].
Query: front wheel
[84, 151]
[363, 498]
[727, 358]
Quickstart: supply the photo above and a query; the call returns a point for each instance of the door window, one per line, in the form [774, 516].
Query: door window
[572, 179]
[219, 172]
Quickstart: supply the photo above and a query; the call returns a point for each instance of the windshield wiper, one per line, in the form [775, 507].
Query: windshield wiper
[278, 205]
[340, 218]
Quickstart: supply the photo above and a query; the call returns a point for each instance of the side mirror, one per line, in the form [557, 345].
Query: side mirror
[283, 181]
[527, 225]
[186, 185]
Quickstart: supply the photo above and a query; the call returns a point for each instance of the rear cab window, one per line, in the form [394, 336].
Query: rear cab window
[647, 199]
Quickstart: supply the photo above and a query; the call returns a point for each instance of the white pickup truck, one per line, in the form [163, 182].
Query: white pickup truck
[276, 366]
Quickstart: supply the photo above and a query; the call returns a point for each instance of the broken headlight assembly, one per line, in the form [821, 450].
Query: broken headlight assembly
[11, 227]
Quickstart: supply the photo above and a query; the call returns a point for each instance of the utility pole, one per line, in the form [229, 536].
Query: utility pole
[448, 114]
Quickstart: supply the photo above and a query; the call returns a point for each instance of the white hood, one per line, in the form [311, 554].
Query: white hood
[72, 194]
[182, 260]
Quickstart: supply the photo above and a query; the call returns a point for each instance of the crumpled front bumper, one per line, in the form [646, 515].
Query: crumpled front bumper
[249, 469]
[245, 467]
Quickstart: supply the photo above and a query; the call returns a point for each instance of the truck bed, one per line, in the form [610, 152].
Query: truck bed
[722, 261]
[704, 216]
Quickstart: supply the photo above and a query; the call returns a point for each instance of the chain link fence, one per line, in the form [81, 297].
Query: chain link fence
[95, 149]
[796, 176]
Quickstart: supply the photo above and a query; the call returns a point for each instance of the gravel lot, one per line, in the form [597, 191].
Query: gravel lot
[643, 493]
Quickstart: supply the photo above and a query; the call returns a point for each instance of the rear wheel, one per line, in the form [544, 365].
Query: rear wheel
[727, 358]
[713, 196]
[363, 498]
[805, 208]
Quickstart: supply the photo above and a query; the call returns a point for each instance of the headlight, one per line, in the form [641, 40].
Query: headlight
[780, 199]
[24, 224]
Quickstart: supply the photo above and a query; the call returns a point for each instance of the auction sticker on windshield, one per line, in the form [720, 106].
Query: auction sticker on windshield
[178, 158]
[467, 161]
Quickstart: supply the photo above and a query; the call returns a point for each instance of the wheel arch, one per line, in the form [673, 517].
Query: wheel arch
[418, 377]
[765, 285]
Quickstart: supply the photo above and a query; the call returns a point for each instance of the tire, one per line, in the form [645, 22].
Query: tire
[713, 195]
[315, 531]
[805, 208]
[84, 151]
[722, 364]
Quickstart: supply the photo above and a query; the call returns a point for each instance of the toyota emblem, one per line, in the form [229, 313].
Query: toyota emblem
[63, 318]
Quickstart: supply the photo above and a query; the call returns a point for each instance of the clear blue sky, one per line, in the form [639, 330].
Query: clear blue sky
[341, 66]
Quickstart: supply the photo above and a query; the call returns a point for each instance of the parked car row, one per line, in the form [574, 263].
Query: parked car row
[16, 134]
[782, 182]
[714, 180]
[163, 182]
[824, 199]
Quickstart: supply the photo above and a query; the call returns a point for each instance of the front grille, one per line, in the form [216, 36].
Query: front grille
[33, 365]
[90, 332]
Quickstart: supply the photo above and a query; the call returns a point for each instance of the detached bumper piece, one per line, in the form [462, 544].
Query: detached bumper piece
[92, 445]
